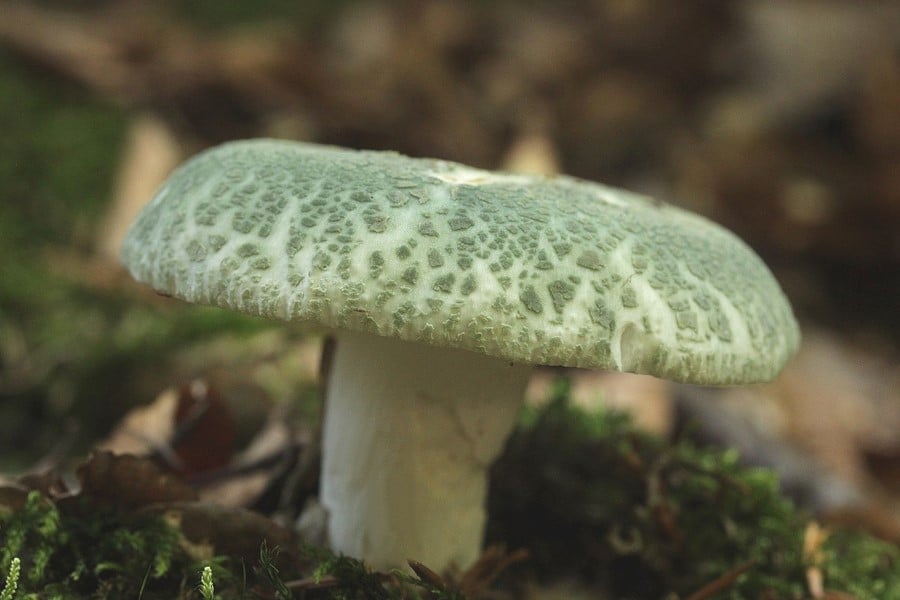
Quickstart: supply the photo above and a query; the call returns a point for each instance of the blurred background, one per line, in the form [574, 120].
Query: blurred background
[779, 119]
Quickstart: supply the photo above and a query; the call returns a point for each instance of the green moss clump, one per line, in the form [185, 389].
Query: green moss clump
[11, 585]
[861, 565]
[594, 499]
[100, 555]
[626, 515]
[81, 551]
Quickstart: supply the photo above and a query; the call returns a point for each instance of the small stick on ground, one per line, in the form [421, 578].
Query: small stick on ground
[721, 583]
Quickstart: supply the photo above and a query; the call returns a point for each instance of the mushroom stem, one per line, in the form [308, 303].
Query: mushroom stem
[410, 432]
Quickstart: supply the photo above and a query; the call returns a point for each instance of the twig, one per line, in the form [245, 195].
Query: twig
[721, 583]
[494, 560]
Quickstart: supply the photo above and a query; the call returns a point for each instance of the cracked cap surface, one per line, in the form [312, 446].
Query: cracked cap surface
[539, 270]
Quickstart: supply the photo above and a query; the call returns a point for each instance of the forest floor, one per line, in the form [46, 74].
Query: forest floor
[123, 414]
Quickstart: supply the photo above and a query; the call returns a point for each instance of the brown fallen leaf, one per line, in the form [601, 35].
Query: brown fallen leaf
[145, 428]
[222, 530]
[49, 482]
[128, 482]
[12, 497]
[245, 479]
[135, 487]
[189, 428]
[205, 434]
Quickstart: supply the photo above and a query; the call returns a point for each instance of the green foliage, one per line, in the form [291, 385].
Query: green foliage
[354, 580]
[207, 589]
[861, 565]
[592, 498]
[267, 559]
[33, 530]
[85, 553]
[349, 578]
[12, 580]
[625, 514]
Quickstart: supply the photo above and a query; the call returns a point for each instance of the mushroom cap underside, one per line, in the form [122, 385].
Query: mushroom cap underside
[538, 270]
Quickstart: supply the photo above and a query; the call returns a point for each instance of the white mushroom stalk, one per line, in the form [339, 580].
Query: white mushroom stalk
[410, 433]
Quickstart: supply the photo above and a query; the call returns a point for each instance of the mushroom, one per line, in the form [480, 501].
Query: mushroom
[443, 285]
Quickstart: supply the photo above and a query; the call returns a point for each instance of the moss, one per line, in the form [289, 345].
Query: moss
[75, 556]
[861, 565]
[107, 554]
[11, 585]
[592, 498]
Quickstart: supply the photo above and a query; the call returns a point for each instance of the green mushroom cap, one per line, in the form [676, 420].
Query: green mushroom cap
[554, 271]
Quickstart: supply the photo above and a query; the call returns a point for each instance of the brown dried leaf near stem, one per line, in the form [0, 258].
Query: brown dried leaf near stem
[128, 482]
[190, 429]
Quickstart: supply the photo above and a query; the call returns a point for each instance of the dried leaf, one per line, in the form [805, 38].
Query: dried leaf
[191, 429]
[128, 482]
[226, 530]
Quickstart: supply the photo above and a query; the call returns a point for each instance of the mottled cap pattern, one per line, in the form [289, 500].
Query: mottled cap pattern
[543, 270]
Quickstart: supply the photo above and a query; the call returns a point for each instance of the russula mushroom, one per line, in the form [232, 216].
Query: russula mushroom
[443, 284]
